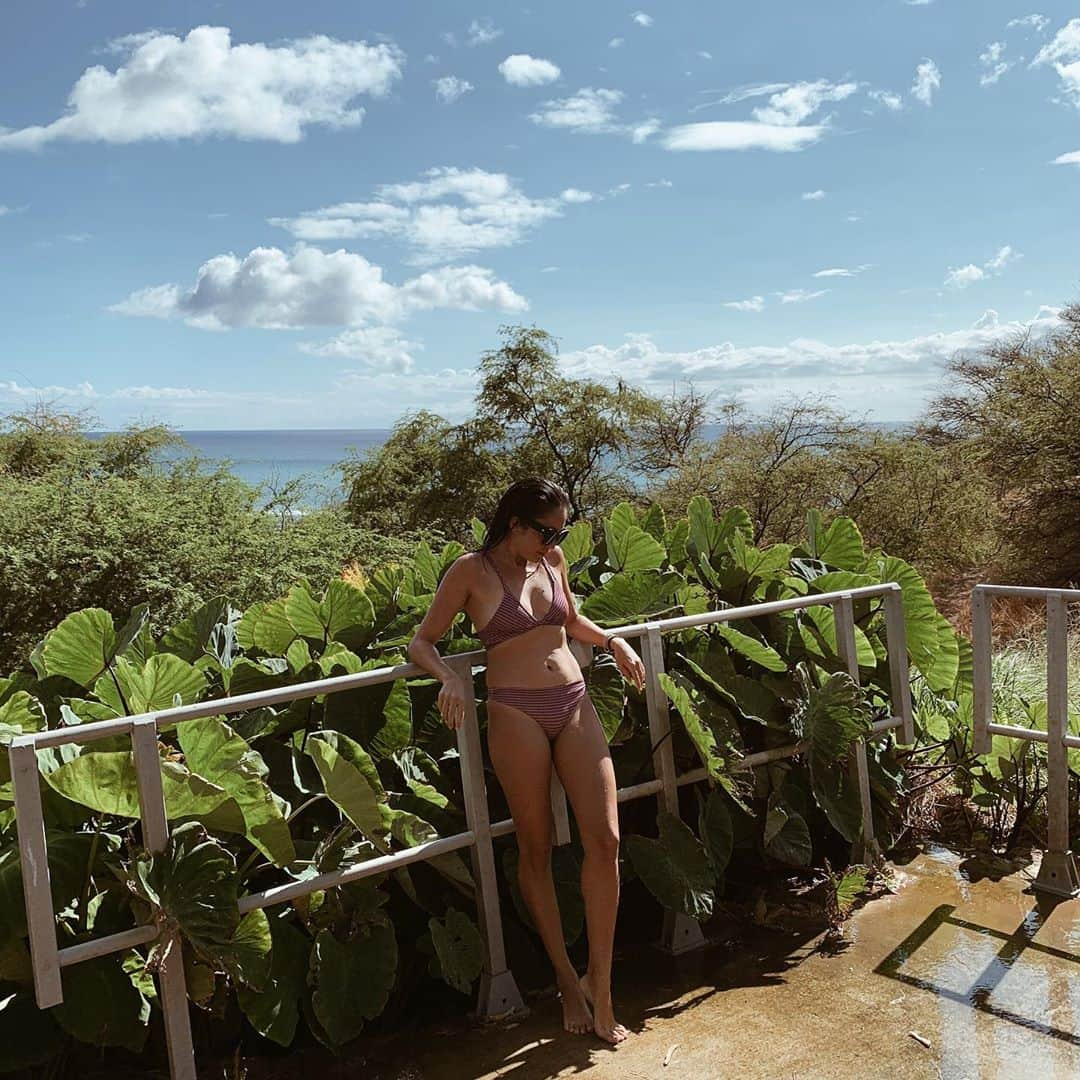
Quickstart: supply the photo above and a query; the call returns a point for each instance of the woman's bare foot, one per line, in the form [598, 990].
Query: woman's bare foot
[604, 1023]
[576, 1015]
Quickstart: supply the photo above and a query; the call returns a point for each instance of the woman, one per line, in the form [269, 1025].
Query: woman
[517, 593]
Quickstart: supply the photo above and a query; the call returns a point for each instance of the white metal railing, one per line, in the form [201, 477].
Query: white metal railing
[498, 992]
[1058, 871]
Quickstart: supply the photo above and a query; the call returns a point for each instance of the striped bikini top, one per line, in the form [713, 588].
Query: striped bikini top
[511, 618]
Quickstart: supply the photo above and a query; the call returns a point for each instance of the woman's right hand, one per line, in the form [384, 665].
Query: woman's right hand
[452, 701]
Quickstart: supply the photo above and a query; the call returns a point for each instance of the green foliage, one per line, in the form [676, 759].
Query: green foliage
[279, 794]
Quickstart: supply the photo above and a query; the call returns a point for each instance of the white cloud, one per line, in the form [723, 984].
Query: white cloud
[592, 112]
[813, 196]
[754, 303]
[800, 296]
[1038, 23]
[642, 19]
[899, 373]
[800, 101]
[927, 80]
[549, 270]
[992, 63]
[660, 183]
[450, 213]
[482, 32]
[575, 195]
[704, 54]
[521, 69]
[962, 276]
[616, 43]
[892, 102]
[4, 210]
[741, 135]
[449, 88]
[842, 271]
[275, 290]
[918, 3]
[1064, 53]
[203, 85]
[377, 348]
[1072, 158]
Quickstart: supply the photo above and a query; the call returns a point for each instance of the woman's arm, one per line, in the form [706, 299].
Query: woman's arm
[450, 598]
[584, 629]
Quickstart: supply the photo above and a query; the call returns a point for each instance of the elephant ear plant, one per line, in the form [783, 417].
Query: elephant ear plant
[280, 794]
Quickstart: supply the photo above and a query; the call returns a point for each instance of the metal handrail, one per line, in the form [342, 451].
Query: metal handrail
[1058, 872]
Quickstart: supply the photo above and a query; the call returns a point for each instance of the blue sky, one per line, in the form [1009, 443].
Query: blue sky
[241, 215]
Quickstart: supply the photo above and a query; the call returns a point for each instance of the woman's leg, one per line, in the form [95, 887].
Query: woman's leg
[521, 755]
[584, 766]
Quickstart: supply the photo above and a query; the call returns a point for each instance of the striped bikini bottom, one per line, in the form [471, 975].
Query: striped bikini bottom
[550, 706]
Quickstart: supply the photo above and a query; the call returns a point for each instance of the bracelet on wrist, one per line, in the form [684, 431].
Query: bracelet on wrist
[608, 640]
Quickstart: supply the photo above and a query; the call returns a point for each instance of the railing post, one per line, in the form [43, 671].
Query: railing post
[899, 671]
[172, 985]
[982, 693]
[499, 993]
[844, 619]
[680, 933]
[34, 862]
[1058, 872]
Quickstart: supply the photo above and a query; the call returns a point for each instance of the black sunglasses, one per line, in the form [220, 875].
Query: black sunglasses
[548, 535]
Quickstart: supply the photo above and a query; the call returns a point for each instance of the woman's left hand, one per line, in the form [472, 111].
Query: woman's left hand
[628, 662]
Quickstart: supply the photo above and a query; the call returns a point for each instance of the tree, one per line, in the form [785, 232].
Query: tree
[1014, 408]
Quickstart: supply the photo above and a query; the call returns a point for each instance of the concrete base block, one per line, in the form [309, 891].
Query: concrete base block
[681, 933]
[498, 996]
[1058, 874]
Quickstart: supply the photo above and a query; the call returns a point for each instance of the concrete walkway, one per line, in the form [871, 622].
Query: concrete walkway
[975, 967]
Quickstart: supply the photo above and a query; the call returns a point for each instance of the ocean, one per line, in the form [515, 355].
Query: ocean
[273, 458]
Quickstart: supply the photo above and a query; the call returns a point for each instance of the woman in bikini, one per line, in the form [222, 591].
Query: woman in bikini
[517, 593]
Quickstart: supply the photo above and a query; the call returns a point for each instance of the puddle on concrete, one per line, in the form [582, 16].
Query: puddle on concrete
[962, 955]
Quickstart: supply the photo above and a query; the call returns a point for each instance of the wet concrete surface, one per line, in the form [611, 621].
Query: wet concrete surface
[962, 955]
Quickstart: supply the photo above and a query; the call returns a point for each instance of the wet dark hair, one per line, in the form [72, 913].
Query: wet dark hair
[529, 498]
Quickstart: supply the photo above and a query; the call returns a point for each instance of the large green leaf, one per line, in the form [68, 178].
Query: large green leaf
[706, 534]
[209, 630]
[105, 782]
[931, 641]
[23, 712]
[787, 836]
[248, 954]
[214, 751]
[275, 1009]
[629, 547]
[578, 543]
[343, 614]
[194, 883]
[162, 682]
[80, 648]
[607, 692]
[702, 736]
[632, 596]
[675, 868]
[266, 628]
[459, 949]
[715, 829]
[833, 717]
[351, 980]
[751, 647]
[351, 781]
[409, 830]
[378, 717]
[823, 619]
[841, 544]
[102, 1006]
